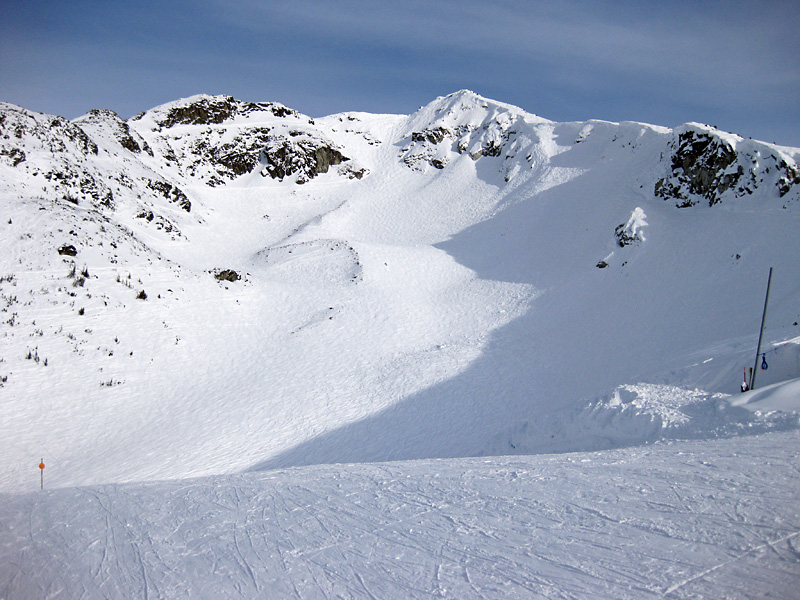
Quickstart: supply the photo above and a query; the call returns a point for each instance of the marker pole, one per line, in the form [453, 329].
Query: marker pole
[761, 333]
[41, 474]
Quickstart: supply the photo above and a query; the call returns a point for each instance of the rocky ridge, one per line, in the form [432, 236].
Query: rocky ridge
[706, 165]
[217, 138]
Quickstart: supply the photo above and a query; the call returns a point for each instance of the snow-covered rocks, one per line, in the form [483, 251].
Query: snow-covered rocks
[631, 232]
[212, 110]
[465, 124]
[106, 124]
[710, 166]
[216, 139]
[304, 155]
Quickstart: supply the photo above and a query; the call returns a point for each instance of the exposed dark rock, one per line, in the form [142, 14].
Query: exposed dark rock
[64, 129]
[356, 173]
[157, 220]
[434, 136]
[119, 129]
[324, 157]
[55, 133]
[15, 155]
[706, 167]
[227, 275]
[68, 250]
[789, 177]
[702, 167]
[225, 160]
[307, 156]
[624, 238]
[217, 109]
[602, 264]
[76, 183]
[491, 148]
[207, 110]
[629, 234]
[171, 192]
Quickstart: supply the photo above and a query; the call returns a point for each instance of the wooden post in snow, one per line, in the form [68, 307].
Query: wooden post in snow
[761, 333]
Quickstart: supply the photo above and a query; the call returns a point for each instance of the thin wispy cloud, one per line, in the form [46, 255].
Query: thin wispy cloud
[729, 64]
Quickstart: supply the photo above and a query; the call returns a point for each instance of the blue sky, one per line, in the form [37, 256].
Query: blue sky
[730, 64]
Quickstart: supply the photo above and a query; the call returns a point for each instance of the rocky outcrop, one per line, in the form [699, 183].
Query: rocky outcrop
[432, 136]
[222, 138]
[227, 275]
[304, 155]
[171, 193]
[214, 110]
[630, 233]
[219, 155]
[103, 121]
[458, 124]
[705, 167]
[56, 134]
[14, 156]
[789, 177]
[57, 154]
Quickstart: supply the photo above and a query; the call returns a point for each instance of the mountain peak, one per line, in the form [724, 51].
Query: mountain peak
[467, 108]
[204, 109]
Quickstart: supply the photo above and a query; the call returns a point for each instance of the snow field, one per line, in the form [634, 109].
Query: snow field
[679, 520]
[410, 314]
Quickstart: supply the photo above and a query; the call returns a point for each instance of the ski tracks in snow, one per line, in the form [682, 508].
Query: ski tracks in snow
[703, 519]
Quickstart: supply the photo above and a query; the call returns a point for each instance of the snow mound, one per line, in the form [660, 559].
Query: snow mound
[631, 232]
[637, 414]
[316, 263]
[784, 396]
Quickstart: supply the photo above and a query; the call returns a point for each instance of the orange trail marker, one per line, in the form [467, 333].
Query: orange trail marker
[41, 472]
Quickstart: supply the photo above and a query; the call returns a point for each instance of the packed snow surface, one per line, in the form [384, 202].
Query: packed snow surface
[681, 520]
[219, 289]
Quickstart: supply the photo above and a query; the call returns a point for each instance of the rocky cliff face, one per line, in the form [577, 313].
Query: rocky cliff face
[216, 139]
[707, 166]
[214, 110]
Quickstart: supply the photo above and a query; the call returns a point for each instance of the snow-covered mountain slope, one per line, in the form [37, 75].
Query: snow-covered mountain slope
[216, 286]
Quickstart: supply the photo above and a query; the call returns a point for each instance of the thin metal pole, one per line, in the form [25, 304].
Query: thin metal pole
[761, 333]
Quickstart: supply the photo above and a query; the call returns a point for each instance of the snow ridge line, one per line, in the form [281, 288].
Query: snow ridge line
[702, 574]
